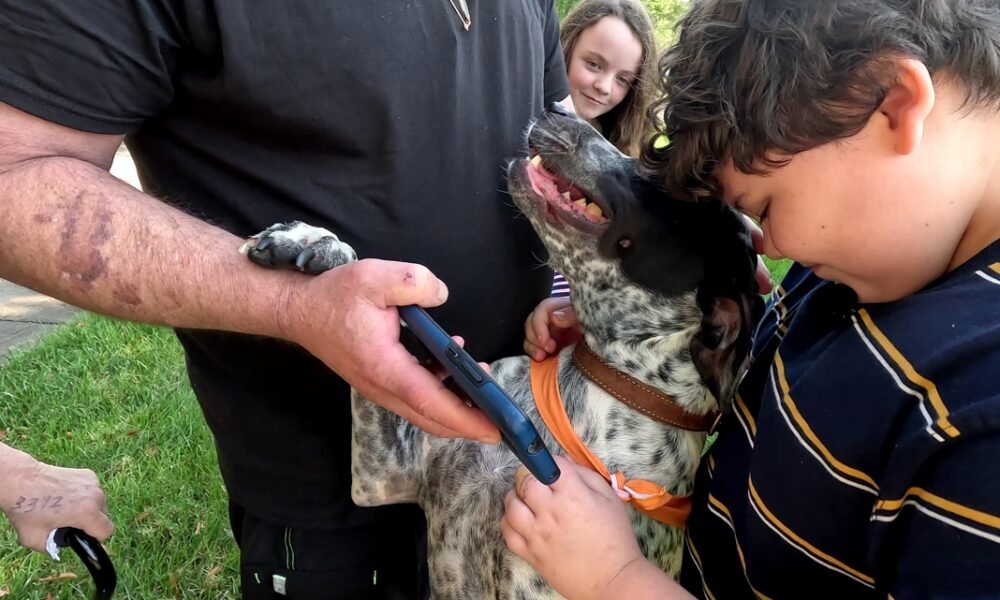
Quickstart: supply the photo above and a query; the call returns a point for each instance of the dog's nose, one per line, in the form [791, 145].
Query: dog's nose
[558, 109]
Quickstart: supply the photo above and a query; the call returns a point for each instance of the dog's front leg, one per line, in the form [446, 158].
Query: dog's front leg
[384, 447]
[295, 245]
[387, 455]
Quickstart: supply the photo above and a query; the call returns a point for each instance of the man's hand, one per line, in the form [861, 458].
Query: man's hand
[39, 498]
[347, 318]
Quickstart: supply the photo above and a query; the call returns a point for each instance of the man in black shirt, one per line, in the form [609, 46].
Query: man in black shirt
[387, 122]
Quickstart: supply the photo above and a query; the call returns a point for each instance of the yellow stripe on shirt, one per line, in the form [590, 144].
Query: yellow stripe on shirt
[950, 506]
[747, 417]
[818, 555]
[930, 390]
[697, 564]
[806, 430]
[739, 551]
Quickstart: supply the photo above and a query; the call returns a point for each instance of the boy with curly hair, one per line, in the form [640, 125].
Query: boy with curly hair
[860, 457]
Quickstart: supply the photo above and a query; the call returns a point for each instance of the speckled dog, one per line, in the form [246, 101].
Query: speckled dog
[664, 291]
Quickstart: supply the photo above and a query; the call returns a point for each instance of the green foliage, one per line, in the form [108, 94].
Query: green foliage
[665, 14]
[563, 6]
[778, 269]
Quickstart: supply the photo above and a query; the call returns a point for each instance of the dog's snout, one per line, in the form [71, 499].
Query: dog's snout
[558, 109]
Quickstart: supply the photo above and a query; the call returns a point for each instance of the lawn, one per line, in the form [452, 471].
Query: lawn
[113, 397]
[778, 268]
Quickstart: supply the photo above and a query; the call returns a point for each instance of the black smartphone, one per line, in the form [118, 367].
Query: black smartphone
[515, 428]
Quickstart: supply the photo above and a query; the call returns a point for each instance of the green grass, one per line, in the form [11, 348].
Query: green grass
[113, 397]
[778, 269]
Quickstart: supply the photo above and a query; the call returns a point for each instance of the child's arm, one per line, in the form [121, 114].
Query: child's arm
[577, 535]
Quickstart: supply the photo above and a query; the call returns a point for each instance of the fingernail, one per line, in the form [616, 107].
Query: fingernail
[442, 294]
[559, 314]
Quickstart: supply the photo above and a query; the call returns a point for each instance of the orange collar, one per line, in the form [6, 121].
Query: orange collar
[651, 499]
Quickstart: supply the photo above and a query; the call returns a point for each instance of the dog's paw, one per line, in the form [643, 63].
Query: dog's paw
[296, 245]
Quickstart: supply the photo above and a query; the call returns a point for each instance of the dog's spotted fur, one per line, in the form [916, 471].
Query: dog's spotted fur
[670, 306]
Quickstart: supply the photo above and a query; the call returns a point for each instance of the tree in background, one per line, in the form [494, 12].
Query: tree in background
[665, 14]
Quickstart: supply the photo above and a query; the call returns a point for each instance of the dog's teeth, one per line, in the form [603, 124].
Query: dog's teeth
[581, 202]
[566, 197]
[595, 210]
[536, 161]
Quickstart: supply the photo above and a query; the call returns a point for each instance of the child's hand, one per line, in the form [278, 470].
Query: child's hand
[575, 533]
[551, 326]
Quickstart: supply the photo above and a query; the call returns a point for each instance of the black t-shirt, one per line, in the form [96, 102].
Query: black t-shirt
[386, 122]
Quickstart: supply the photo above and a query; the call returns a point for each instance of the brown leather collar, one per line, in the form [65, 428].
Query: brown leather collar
[636, 394]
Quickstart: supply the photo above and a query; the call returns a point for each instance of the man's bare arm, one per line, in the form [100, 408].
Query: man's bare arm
[71, 230]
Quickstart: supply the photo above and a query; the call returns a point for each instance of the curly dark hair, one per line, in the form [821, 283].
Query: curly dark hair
[757, 81]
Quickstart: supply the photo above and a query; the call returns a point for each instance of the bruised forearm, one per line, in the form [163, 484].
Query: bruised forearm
[73, 231]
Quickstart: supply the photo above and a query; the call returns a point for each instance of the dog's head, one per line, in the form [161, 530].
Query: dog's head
[646, 269]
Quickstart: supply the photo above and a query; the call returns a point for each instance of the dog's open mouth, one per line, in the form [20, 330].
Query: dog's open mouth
[564, 201]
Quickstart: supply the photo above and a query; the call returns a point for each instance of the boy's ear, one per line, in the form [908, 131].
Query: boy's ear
[908, 103]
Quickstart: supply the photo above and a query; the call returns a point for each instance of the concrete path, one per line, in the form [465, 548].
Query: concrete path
[26, 315]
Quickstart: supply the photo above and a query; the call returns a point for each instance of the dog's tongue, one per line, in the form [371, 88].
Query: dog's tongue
[557, 190]
[543, 182]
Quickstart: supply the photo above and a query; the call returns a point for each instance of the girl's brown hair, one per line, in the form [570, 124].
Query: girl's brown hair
[627, 125]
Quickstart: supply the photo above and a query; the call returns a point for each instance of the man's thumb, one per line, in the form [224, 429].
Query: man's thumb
[409, 283]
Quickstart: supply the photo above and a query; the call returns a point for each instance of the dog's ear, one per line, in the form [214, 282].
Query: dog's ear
[730, 305]
[721, 348]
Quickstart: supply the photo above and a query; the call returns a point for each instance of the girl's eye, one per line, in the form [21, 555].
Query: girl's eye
[624, 82]
[592, 65]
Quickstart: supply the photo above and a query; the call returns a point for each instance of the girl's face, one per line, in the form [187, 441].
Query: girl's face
[603, 67]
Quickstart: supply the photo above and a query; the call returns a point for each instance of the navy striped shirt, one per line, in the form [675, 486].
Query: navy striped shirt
[862, 455]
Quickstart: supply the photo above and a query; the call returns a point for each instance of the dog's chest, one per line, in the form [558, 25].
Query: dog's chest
[466, 483]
